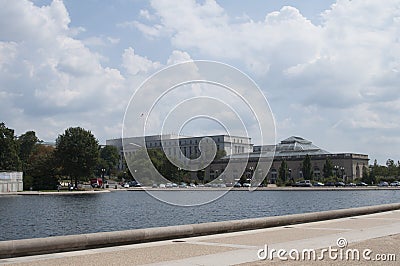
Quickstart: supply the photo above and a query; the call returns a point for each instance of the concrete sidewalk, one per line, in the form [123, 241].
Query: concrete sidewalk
[378, 232]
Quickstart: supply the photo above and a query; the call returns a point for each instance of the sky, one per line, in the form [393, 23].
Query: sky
[329, 69]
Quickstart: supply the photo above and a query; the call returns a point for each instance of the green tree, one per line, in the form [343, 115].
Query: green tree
[165, 167]
[219, 154]
[328, 168]
[110, 157]
[368, 176]
[306, 168]
[77, 152]
[391, 168]
[26, 143]
[9, 159]
[283, 171]
[41, 168]
[379, 171]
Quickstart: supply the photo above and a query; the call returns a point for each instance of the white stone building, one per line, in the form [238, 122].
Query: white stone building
[11, 182]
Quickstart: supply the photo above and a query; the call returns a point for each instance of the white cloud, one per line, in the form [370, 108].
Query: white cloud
[135, 64]
[178, 57]
[346, 69]
[335, 80]
[47, 77]
[144, 13]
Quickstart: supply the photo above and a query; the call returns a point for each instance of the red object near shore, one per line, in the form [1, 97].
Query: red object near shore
[96, 182]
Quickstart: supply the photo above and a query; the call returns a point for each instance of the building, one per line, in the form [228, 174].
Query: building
[189, 146]
[11, 182]
[347, 166]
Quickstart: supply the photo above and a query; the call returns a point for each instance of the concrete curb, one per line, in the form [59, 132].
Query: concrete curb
[36, 246]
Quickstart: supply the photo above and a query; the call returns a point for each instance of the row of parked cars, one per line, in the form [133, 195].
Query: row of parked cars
[386, 184]
[302, 183]
[186, 185]
[192, 185]
[308, 183]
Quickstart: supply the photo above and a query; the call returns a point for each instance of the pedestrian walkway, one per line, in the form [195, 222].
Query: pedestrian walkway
[376, 238]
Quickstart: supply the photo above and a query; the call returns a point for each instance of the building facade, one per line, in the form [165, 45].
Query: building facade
[177, 146]
[347, 166]
[11, 182]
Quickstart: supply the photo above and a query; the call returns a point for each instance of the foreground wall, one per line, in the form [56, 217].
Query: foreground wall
[25, 247]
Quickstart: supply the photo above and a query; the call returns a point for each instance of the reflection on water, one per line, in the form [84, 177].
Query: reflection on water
[40, 216]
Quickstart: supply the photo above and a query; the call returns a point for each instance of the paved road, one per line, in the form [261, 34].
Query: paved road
[379, 233]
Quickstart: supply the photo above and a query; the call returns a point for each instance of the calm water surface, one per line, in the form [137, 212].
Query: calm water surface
[52, 215]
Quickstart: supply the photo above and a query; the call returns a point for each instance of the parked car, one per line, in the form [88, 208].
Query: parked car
[383, 184]
[237, 185]
[318, 184]
[162, 185]
[395, 184]
[246, 185]
[134, 184]
[362, 184]
[351, 185]
[329, 184]
[303, 183]
[339, 184]
[126, 185]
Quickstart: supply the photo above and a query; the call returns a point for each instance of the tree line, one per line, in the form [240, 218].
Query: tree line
[76, 156]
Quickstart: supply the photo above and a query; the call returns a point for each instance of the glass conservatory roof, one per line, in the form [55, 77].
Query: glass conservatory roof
[293, 146]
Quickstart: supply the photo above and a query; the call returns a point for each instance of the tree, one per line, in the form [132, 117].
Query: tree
[367, 177]
[392, 169]
[26, 143]
[109, 156]
[328, 168]
[9, 159]
[283, 171]
[77, 152]
[219, 154]
[41, 167]
[306, 168]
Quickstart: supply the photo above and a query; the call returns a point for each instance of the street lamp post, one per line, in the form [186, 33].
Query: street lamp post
[336, 171]
[102, 175]
[251, 173]
[289, 173]
[342, 172]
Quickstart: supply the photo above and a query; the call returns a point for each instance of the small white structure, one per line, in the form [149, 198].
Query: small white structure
[11, 182]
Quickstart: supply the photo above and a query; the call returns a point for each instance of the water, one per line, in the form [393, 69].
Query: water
[53, 215]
